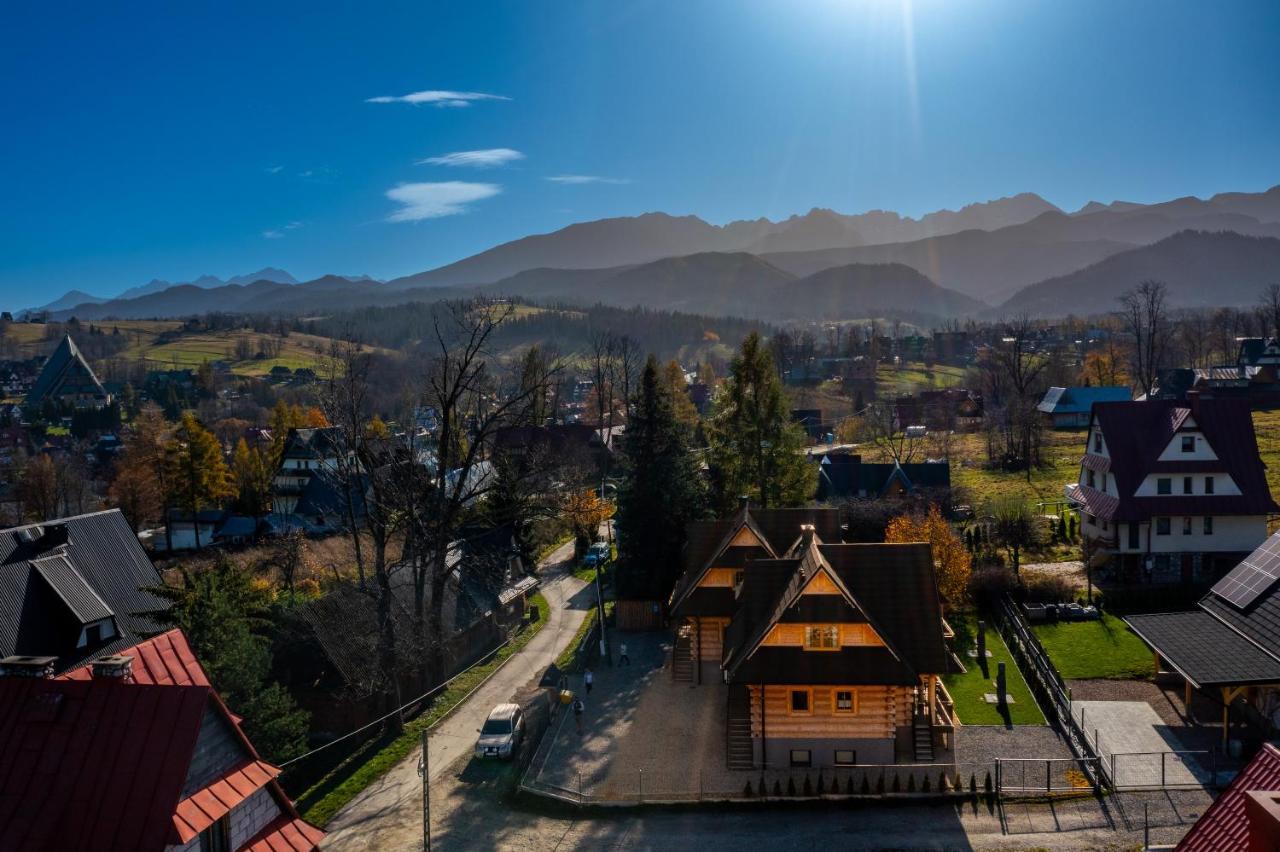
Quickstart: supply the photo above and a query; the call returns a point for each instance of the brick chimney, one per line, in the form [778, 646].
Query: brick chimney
[118, 666]
[806, 536]
[744, 502]
[23, 666]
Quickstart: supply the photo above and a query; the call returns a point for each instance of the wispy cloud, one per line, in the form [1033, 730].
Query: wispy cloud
[274, 170]
[437, 98]
[277, 233]
[581, 179]
[433, 200]
[487, 158]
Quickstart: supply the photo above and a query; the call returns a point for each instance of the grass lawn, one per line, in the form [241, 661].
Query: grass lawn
[1096, 649]
[911, 378]
[967, 689]
[334, 791]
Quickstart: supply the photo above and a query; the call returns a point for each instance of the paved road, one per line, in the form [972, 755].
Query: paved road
[388, 814]
[1138, 737]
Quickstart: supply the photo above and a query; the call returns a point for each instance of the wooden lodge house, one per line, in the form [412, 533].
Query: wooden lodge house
[831, 653]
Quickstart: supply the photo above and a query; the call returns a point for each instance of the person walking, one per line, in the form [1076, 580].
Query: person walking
[578, 707]
[588, 679]
[623, 659]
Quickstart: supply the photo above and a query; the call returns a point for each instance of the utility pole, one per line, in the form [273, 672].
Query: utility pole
[424, 770]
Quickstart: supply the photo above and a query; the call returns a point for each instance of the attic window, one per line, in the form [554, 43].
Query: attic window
[1097, 442]
[1188, 443]
[1164, 485]
[822, 637]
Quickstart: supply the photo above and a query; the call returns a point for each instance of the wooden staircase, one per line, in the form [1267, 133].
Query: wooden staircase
[682, 658]
[922, 729]
[738, 747]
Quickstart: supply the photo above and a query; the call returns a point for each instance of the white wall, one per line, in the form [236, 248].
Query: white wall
[1203, 452]
[1222, 484]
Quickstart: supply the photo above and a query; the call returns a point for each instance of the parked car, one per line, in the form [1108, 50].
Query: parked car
[598, 554]
[502, 732]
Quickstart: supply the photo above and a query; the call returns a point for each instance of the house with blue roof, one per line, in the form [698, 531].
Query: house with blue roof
[1069, 408]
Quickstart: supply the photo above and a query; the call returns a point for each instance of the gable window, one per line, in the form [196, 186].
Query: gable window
[1188, 443]
[844, 701]
[1097, 442]
[1164, 485]
[1133, 537]
[1162, 526]
[1208, 525]
[1208, 485]
[1186, 485]
[801, 757]
[801, 702]
[1089, 478]
[1186, 526]
[846, 757]
[822, 637]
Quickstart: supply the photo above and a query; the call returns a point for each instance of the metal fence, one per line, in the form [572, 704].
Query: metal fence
[1037, 776]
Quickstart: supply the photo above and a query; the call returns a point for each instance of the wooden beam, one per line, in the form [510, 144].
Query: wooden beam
[1186, 696]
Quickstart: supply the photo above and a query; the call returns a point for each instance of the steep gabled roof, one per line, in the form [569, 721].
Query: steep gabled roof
[66, 366]
[711, 542]
[892, 586]
[1138, 432]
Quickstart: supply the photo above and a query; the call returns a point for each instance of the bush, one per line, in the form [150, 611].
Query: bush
[747, 791]
[897, 783]
[791, 786]
[987, 786]
[764, 791]
[808, 788]
[973, 783]
[777, 789]
[866, 784]
[822, 784]
[911, 783]
[988, 586]
[1047, 588]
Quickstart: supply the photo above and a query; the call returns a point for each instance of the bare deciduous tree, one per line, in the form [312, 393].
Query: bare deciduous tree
[1146, 318]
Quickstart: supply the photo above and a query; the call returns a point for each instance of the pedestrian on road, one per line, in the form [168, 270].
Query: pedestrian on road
[578, 707]
[623, 660]
[588, 679]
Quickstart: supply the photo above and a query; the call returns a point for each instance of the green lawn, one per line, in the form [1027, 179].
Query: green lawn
[332, 793]
[1096, 649]
[967, 689]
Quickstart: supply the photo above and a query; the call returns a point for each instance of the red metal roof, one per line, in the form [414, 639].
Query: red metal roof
[206, 806]
[93, 764]
[285, 834]
[165, 659]
[1224, 827]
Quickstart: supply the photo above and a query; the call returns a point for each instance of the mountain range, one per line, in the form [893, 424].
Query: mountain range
[1011, 254]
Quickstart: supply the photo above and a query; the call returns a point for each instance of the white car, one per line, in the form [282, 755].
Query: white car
[502, 732]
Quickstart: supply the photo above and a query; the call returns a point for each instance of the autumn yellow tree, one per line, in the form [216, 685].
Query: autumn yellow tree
[950, 557]
[585, 511]
[140, 489]
[197, 469]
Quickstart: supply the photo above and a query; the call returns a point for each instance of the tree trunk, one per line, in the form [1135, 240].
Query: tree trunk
[387, 640]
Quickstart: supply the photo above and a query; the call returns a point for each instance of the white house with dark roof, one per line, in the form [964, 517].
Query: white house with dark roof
[1172, 491]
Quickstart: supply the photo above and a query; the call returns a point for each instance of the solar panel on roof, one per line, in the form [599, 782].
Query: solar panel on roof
[1252, 577]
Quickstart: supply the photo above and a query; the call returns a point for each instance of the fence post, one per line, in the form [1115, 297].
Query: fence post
[997, 777]
[642, 785]
[1162, 757]
[1048, 775]
[1114, 780]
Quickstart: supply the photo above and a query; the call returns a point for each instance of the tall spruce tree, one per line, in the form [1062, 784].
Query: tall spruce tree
[756, 450]
[661, 491]
[197, 470]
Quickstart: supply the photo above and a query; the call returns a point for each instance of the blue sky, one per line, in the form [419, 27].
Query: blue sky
[170, 140]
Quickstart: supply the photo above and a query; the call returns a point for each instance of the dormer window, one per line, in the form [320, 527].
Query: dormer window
[1188, 443]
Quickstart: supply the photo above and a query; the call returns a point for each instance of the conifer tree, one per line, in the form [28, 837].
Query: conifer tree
[661, 491]
[755, 447]
[197, 470]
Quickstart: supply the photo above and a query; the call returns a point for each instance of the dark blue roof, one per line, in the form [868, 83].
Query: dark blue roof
[1080, 400]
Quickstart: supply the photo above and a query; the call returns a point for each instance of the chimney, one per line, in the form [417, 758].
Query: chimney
[744, 502]
[1193, 402]
[806, 536]
[113, 666]
[21, 666]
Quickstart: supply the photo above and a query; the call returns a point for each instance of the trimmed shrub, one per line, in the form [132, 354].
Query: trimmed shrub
[777, 789]
[897, 783]
[987, 786]
[764, 791]
[807, 787]
[959, 783]
[866, 784]
[791, 786]
[925, 786]
[822, 784]
[973, 783]
[911, 783]
[880, 784]
[748, 792]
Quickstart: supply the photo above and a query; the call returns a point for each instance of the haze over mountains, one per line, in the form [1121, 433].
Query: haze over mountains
[1008, 255]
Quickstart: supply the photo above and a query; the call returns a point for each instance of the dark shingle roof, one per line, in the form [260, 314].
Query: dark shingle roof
[39, 616]
[892, 586]
[1138, 432]
[66, 371]
[1204, 650]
